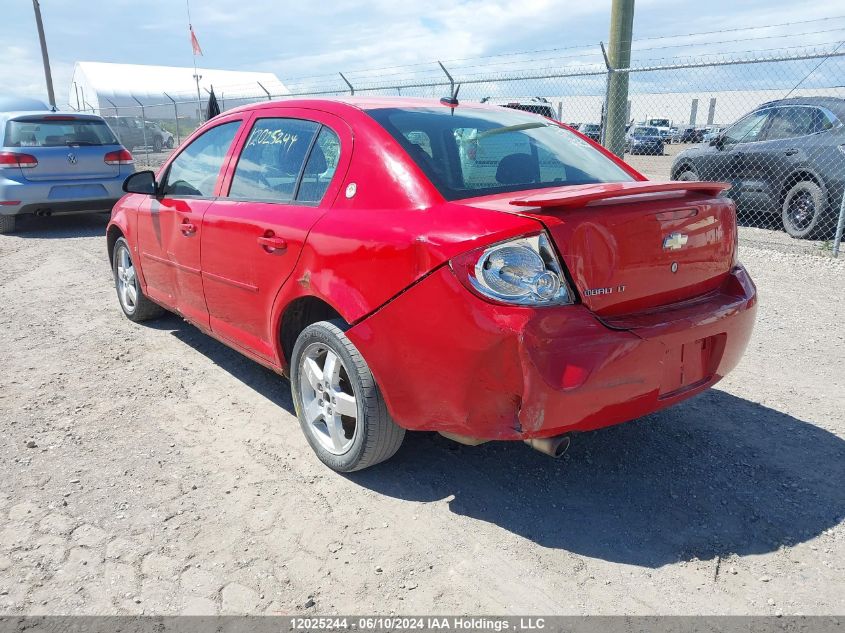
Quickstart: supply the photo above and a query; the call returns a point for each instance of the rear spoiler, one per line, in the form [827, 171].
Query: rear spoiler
[580, 195]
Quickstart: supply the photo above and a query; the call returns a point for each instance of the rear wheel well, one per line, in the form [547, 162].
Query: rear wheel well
[111, 237]
[794, 179]
[297, 316]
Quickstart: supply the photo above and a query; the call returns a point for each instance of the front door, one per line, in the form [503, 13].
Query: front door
[281, 184]
[170, 223]
[727, 163]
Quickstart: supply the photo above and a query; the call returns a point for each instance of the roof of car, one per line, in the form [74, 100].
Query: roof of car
[6, 116]
[362, 103]
[836, 104]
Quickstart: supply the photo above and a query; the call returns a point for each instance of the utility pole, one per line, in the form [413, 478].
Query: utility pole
[619, 56]
[47, 75]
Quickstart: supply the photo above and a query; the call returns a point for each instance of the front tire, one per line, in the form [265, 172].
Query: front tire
[134, 303]
[338, 403]
[803, 209]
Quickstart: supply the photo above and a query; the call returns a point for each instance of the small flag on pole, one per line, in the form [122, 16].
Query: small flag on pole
[194, 42]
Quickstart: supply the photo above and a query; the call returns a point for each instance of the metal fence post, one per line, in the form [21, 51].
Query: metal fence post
[351, 87]
[451, 81]
[840, 226]
[603, 118]
[144, 130]
[176, 118]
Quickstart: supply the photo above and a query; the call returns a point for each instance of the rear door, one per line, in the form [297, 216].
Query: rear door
[286, 175]
[170, 225]
[789, 142]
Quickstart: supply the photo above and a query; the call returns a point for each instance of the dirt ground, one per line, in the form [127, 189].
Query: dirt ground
[150, 469]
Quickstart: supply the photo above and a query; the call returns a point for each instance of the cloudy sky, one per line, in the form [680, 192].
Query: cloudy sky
[304, 39]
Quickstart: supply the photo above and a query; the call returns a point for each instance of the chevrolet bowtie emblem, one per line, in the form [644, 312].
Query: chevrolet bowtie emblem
[674, 241]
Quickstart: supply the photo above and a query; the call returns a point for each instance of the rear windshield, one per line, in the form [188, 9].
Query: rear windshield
[475, 152]
[57, 133]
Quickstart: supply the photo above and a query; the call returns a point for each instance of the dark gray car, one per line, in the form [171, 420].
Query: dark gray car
[785, 157]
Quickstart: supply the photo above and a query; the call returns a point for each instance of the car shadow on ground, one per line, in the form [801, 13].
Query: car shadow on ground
[62, 226]
[714, 476]
[264, 381]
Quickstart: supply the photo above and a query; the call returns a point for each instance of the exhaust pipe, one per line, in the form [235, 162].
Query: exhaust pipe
[43, 213]
[554, 446]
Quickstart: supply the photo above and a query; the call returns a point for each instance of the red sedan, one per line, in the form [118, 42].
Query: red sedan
[413, 264]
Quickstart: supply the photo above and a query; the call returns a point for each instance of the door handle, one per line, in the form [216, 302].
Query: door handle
[270, 243]
[791, 152]
[188, 228]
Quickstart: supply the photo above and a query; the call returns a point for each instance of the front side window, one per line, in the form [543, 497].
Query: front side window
[195, 170]
[473, 151]
[747, 130]
[272, 159]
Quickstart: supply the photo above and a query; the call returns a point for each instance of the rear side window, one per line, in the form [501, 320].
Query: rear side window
[195, 170]
[272, 159]
[791, 122]
[57, 132]
[474, 152]
[320, 168]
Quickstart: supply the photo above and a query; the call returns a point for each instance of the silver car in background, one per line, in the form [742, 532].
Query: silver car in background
[54, 162]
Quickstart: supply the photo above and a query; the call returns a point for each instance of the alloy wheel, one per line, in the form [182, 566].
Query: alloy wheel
[801, 210]
[328, 399]
[127, 289]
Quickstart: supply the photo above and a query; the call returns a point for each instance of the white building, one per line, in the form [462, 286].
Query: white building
[123, 89]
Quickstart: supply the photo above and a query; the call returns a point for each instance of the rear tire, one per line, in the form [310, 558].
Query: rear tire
[803, 209]
[134, 303]
[688, 175]
[338, 403]
[157, 144]
[7, 224]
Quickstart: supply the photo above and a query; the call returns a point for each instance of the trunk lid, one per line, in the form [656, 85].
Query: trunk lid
[70, 163]
[635, 246]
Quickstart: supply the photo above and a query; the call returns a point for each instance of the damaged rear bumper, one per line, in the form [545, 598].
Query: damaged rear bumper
[448, 361]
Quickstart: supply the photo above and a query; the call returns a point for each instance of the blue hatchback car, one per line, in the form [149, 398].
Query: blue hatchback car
[644, 139]
[54, 162]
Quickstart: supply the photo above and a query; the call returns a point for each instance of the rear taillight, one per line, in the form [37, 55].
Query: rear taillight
[522, 271]
[13, 159]
[119, 157]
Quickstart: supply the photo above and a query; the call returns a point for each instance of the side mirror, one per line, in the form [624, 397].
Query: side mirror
[141, 182]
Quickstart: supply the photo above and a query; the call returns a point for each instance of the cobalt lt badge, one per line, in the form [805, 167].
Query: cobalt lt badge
[674, 241]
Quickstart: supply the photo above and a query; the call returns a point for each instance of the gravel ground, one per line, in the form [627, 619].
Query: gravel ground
[150, 469]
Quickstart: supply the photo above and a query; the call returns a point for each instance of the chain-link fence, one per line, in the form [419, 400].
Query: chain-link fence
[770, 123]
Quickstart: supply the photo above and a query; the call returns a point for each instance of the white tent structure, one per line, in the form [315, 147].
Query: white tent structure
[123, 89]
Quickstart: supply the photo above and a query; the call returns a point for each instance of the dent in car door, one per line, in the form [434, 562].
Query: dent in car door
[282, 182]
[170, 224]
